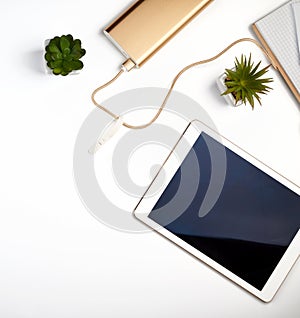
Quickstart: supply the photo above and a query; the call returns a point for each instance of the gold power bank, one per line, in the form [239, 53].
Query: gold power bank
[147, 25]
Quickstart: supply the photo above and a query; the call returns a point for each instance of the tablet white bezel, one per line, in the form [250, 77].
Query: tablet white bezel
[146, 205]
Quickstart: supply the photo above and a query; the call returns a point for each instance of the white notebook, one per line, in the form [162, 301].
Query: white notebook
[278, 33]
[296, 7]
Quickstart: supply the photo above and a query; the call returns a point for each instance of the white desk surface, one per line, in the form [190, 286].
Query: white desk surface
[55, 259]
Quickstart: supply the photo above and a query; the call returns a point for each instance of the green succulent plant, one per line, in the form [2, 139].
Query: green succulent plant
[63, 55]
[245, 81]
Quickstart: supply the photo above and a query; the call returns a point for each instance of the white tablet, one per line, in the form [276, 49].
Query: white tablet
[226, 208]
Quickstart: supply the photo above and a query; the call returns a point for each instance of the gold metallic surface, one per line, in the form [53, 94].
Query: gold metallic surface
[147, 25]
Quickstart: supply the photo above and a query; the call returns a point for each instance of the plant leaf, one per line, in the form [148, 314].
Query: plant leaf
[53, 48]
[64, 43]
[56, 64]
[76, 65]
[57, 70]
[48, 57]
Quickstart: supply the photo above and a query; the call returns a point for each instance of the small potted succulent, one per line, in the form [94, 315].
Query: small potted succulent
[63, 55]
[244, 83]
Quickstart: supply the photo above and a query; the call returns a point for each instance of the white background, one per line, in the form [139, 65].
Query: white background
[56, 260]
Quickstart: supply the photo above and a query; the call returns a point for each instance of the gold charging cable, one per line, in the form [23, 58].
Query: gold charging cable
[128, 65]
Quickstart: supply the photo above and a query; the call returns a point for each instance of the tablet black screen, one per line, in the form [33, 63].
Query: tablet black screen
[252, 223]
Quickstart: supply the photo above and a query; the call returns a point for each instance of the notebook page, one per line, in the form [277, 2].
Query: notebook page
[296, 8]
[279, 30]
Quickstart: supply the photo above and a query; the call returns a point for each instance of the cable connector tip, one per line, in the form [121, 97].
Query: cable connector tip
[128, 65]
[106, 135]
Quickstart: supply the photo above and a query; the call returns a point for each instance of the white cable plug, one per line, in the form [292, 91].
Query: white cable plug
[106, 135]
